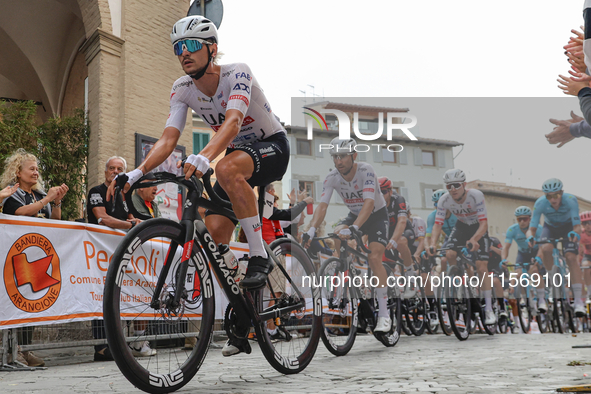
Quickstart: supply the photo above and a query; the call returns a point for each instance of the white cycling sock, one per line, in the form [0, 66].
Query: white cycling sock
[517, 322]
[541, 294]
[487, 299]
[273, 331]
[252, 229]
[577, 292]
[382, 296]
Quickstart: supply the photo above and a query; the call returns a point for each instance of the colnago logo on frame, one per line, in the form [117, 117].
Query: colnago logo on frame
[314, 116]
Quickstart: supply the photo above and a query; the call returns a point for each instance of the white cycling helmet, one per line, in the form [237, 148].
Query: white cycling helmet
[196, 27]
[453, 176]
[342, 147]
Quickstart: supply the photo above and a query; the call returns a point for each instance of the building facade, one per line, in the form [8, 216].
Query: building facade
[415, 168]
[111, 57]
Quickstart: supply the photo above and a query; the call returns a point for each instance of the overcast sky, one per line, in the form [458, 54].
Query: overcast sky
[426, 48]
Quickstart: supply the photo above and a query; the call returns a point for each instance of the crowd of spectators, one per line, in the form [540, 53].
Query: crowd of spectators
[22, 193]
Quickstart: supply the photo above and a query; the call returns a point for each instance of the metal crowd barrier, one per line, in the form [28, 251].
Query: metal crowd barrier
[67, 335]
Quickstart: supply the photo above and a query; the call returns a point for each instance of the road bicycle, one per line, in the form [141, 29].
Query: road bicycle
[349, 299]
[559, 307]
[159, 281]
[414, 303]
[527, 298]
[463, 297]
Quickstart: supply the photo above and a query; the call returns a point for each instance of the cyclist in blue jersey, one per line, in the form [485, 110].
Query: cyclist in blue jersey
[561, 219]
[517, 232]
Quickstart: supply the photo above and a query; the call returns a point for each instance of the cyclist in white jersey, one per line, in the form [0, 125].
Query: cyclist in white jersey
[231, 101]
[470, 230]
[357, 185]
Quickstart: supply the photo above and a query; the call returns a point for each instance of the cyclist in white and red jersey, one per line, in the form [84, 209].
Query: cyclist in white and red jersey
[230, 100]
[470, 229]
[357, 185]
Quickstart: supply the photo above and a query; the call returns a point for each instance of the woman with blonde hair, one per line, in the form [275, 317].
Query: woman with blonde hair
[30, 199]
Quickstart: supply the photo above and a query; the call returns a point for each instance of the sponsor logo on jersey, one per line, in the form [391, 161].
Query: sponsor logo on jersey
[266, 150]
[248, 120]
[224, 104]
[369, 190]
[221, 95]
[242, 86]
[243, 75]
[181, 84]
[228, 73]
[267, 107]
[239, 97]
[402, 205]
[205, 109]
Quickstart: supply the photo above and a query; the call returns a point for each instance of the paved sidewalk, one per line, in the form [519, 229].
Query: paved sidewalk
[436, 364]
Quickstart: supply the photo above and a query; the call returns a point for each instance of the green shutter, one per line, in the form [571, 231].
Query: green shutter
[199, 141]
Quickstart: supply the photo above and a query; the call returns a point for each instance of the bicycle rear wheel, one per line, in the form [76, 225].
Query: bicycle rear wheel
[291, 284]
[490, 329]
[147, 253]
[416, 318]
[392, 337]
[560, 316]
[458, 304]
[444, 316]
[524, 311]
[340, 307]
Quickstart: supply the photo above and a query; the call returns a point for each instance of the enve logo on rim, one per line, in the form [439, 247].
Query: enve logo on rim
[28, 262]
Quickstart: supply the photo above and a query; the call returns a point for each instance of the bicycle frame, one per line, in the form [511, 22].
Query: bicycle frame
[248, 308]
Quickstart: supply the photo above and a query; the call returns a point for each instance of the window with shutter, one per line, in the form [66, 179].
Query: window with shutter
[428, 196]
[441, 158]
[402, 156]
[418, 157]
[199, 141]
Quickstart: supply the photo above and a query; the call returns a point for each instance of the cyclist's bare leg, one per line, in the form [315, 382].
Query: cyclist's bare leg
[220, 228]
[546, 251]
[378, 270]
[451, 258]
[404, 252]
[576, 277]
[233, 171]
[574, 268]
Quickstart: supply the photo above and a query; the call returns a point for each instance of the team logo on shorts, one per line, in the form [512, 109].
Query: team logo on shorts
[32, 273]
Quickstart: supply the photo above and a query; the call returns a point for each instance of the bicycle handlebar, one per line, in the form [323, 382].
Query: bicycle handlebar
[192, 183]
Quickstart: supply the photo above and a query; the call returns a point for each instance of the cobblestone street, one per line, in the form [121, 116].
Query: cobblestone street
[483, 364]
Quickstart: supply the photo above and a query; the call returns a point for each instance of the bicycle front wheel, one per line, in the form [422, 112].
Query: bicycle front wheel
[340, 307]
[290, 287]
[140, 322]
[458, 304]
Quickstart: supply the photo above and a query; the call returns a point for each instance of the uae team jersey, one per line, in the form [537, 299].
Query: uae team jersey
[470, 212]
[567, 212]
[237, 89]
[354, 193]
